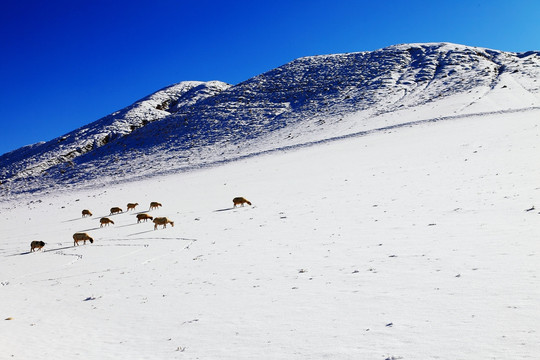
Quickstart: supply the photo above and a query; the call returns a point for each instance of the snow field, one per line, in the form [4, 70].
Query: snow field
[410, 243]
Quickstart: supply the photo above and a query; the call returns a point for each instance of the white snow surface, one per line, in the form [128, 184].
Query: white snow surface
[404, 230]
[406, 243]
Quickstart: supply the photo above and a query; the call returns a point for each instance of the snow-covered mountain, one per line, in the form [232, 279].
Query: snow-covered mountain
[394, 215]
[35, 161]
[311, 99]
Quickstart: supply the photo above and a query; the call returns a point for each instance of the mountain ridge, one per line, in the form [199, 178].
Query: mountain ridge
[309, 99]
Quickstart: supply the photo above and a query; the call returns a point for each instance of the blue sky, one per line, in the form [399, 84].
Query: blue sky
[64, 64]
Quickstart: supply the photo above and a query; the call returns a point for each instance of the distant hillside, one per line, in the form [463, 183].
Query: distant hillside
[310, 99]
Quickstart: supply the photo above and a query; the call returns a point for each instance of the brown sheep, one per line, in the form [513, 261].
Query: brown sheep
[81, 237]
[162, 221]
[115, 210]
[144, 217]
[36, 245]
[86, 212]
[105, 221]
[154, 205]
[131, 206]
[240, 201]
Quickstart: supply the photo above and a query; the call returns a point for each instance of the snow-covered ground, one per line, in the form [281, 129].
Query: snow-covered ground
[411, 242]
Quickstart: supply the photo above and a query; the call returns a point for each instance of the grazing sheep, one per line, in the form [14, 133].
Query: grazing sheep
[131, 206]
[144, 217]
[36, 245]
[115, 210]
[154, 205]
[81, 237]
[240, 201]
[86, 212]
[162, 221]
[105, 221]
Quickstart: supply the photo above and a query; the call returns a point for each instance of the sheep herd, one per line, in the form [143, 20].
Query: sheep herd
[105, 221]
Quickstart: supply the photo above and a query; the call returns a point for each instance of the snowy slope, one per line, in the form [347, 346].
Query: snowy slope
[406, 243]
[393, 217]
[308, 100]
[36, 160]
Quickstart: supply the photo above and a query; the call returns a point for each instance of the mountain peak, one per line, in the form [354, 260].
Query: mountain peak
[310, 99]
